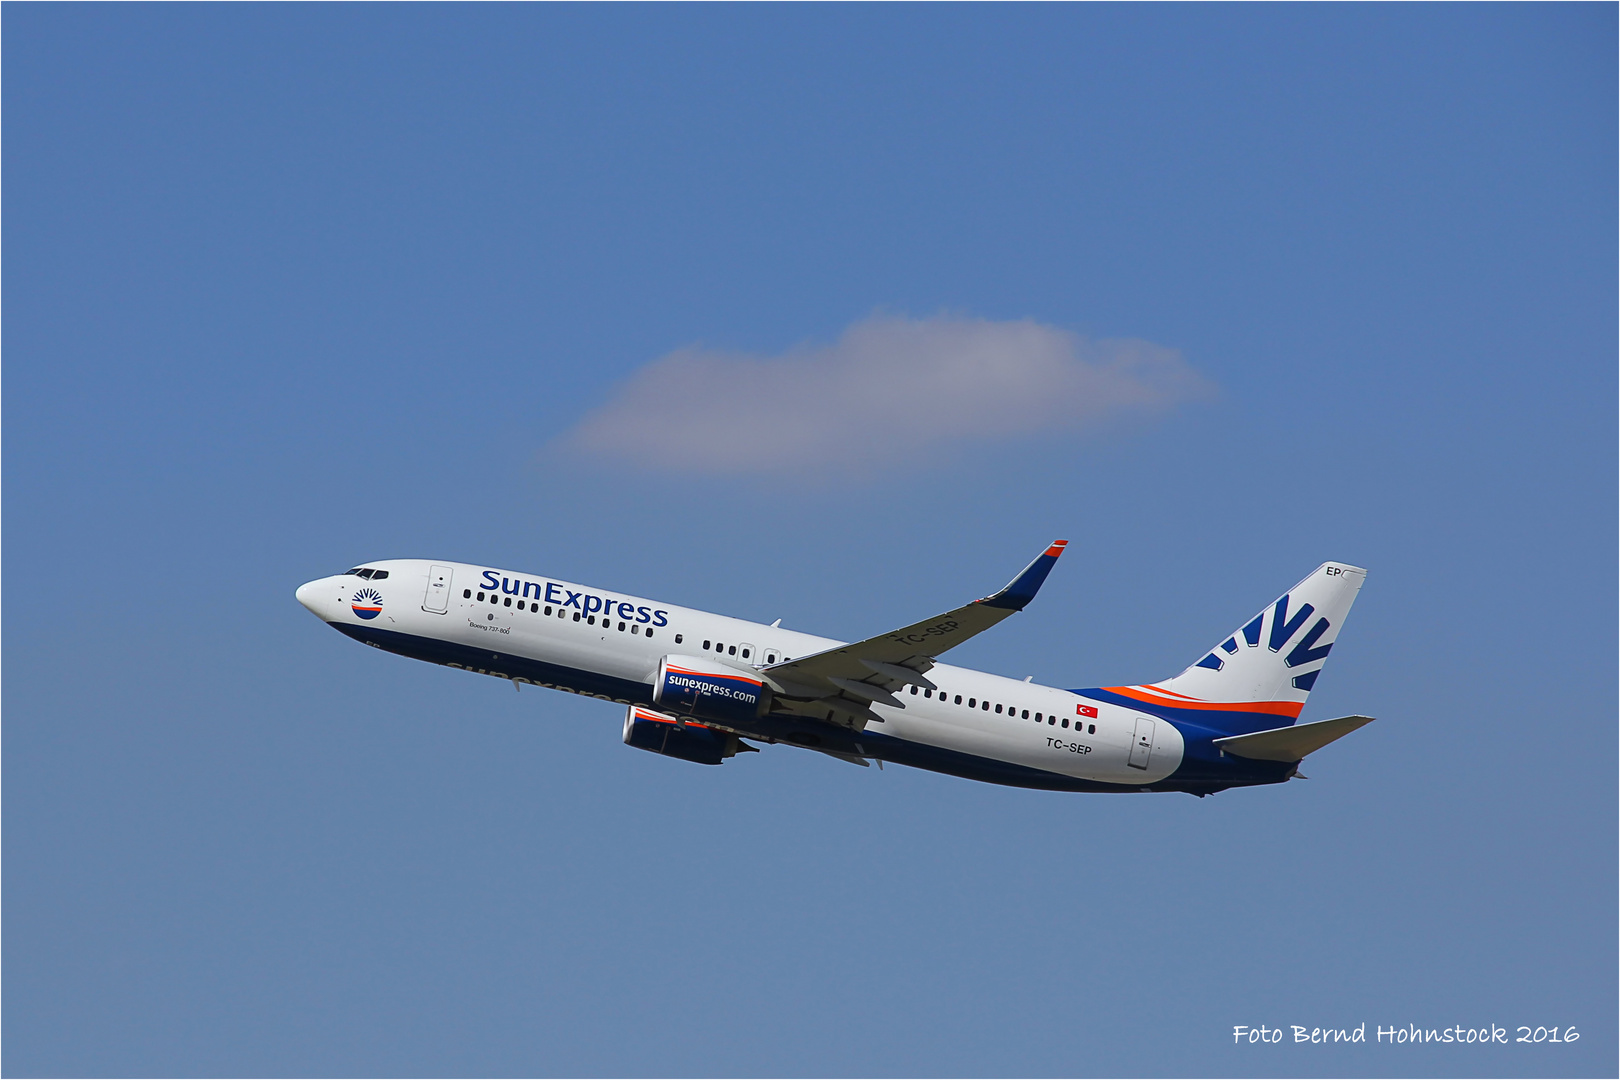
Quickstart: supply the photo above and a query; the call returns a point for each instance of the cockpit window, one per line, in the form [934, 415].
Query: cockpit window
[366, 572]
[378, 575]
[354, 573]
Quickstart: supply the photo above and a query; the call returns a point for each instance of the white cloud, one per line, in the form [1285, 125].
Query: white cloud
[891, 389]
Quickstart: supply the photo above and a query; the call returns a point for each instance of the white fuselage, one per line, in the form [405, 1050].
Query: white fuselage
[606, 644]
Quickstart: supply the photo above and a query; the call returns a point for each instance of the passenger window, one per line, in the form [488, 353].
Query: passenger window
[745, 654]
[678, 637]
[1091, 729]
[466, 594]
[591, 619]
[913, 689]
[959, 699]
[621, 628]
[480, 598]
[520, 605]
[576, 616]
[733, 650]
[508, 601]
[1065, 721]
[985, 706]
[1037, 718]
[548, 609]
[705, 644]
[1026, 714]
[998, 708]
[1053, 720]
[973, 703]
[635, 630]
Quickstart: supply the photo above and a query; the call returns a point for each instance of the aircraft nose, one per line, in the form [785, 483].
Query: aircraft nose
[306, 595]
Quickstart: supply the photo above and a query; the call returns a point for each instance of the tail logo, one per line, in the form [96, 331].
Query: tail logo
[367, 603]
[1283, 629]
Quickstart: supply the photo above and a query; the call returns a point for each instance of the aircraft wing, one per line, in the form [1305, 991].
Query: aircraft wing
[847, 679]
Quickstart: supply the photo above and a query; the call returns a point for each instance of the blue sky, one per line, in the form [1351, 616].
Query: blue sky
[289, 288]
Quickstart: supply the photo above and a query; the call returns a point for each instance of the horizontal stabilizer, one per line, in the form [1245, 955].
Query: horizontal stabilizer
[1291, 743]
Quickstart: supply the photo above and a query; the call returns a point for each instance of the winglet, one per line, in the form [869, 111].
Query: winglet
[1024, 587]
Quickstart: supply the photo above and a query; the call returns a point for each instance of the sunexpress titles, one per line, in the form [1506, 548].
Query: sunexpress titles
[584, 602]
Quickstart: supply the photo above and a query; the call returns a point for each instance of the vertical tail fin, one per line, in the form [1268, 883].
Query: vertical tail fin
[1259, 677]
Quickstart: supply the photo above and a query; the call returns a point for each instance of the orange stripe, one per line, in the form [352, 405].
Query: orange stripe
[1290, 709]
[1057, 548]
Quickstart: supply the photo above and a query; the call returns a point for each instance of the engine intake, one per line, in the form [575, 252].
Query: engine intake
[648, 730]
[692, 686]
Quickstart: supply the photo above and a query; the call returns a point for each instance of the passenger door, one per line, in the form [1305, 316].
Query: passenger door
[1141, 744]
[437, 599]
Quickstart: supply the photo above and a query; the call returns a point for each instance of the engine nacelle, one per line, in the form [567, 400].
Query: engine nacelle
[691, 686]
[690, 741]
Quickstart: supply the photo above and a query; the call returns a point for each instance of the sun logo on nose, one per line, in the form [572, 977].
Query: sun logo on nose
[367, 603]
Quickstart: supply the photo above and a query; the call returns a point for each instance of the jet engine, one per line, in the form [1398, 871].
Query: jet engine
[692, 686]
[689, 741]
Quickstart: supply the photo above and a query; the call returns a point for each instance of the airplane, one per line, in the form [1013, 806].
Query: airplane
[703, 687]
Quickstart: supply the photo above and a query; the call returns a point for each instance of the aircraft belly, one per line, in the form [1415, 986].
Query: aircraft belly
[589, 655]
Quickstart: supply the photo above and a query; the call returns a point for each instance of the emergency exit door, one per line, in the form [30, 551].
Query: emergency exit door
[437, 599]
[1141, 743]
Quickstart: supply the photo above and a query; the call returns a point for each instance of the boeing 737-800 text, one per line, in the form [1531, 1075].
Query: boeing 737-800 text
[696, 685]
